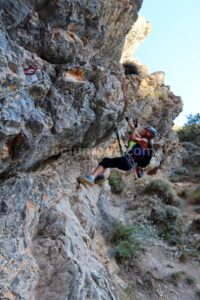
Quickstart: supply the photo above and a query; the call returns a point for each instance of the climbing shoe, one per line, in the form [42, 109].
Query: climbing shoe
[99, 179]
[88, 179]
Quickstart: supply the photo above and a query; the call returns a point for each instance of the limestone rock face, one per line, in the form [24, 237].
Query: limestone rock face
[62, 87]
[49, 238]
[77, 85]
[135, 37]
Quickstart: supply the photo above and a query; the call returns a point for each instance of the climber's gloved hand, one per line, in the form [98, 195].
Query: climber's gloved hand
[135, 122]
[127, 119]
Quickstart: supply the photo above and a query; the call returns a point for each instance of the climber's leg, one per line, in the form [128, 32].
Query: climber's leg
[120, 163]
[116, 162]
[100, 170]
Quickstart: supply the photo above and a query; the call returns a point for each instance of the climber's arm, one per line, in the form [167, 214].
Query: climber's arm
[135, 136]
[134, 131]
[141, 141]
[130, 125]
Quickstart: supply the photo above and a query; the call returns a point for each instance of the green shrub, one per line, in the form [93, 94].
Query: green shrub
[181, 275]
[195, 196]
[171, 233]
[196, 173]
[179, 175]
[190, 280]
[184, 193]
[187, 252]
[189, 133]
[184, 257]
[168, 221]
[127, 249]
[129, 240]
[121, 232]
[126, 240]
[175, 177]
[195, 225]
[163, 189]
[177, 277]
[128, 293]
[182, 171]
[116, 182]
[197, 209]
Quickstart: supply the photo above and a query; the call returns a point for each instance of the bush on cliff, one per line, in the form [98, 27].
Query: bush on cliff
[129, 240]
[116, 182]
[163, 189]
[195, 196]
[168, 222]
[126, 240]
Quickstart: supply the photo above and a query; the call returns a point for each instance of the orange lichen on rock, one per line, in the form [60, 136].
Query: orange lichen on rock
[30, 205]
[69, 36]
[74, 75]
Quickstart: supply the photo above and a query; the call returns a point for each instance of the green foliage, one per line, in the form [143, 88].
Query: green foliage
[121, 232]
[191, 130]
[128, 292]
[195, 196]
[163, 189]
[197, 209]
[127, 249]
[182, 171]
[177, 277]
[169, 223]
[185, 193]
[129, 240]
[192, 172]
[187, 252]
[190, 280]
[184, 256]
[195, 225]
[179, 175]
[126, 239]
[175, 178]
[116, 182]
[183, 276]
[171, 232]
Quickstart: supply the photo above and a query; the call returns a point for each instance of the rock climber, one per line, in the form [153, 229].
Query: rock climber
[138, 156]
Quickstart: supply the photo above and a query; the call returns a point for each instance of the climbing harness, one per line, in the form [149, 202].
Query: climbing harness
[126, 153]
[133, 161]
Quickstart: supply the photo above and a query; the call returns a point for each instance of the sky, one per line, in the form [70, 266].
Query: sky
[173, 46]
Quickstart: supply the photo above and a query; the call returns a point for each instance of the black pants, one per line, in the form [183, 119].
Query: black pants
[121, 163]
